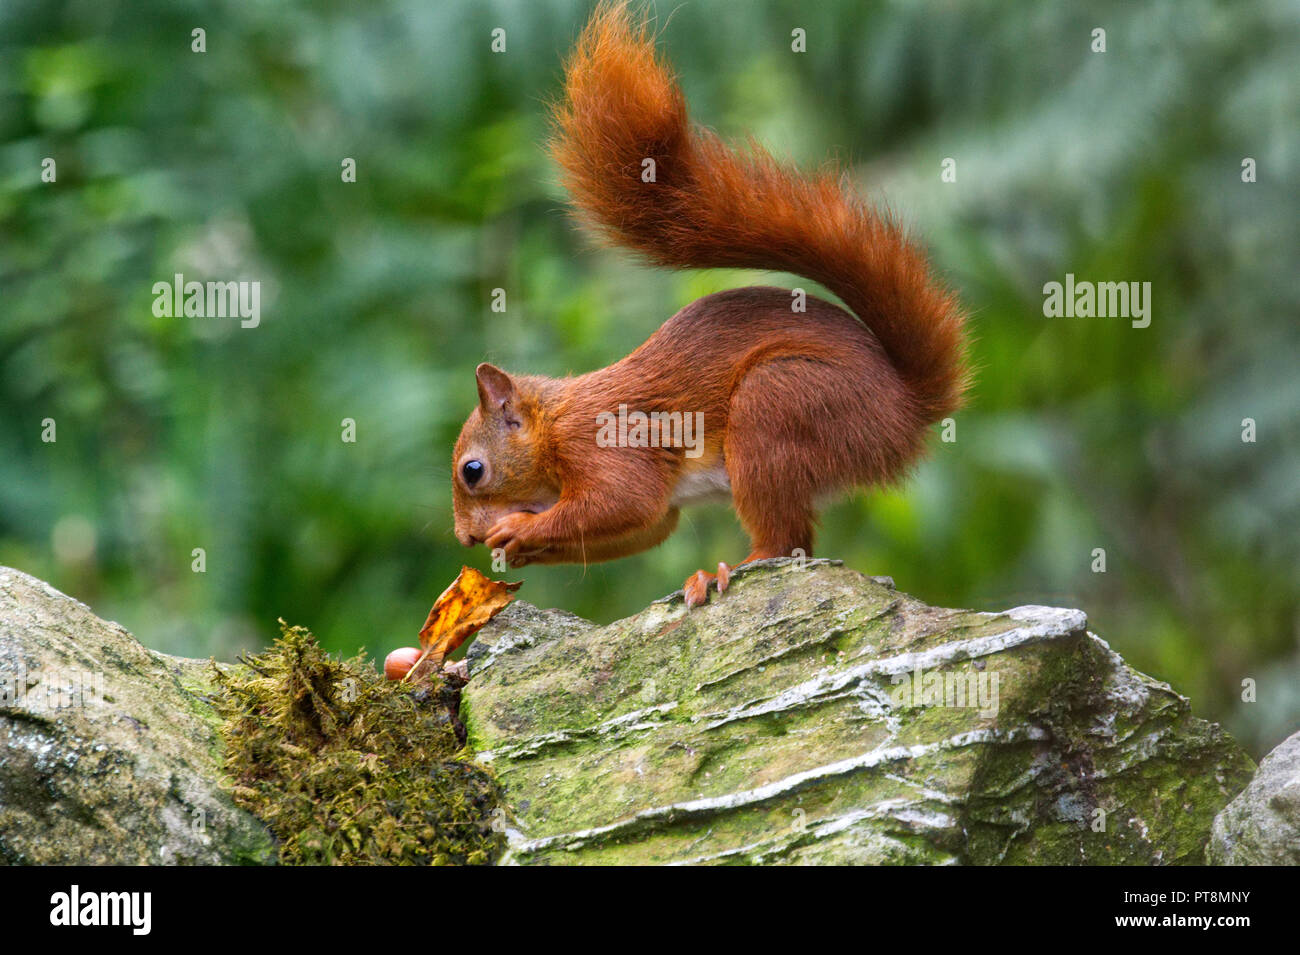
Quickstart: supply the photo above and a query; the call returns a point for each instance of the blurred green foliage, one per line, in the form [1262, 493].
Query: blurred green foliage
[174, 434]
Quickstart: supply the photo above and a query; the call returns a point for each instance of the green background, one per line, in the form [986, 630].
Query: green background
[174, 434]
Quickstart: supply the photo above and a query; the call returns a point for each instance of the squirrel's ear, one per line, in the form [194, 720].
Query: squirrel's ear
[495, 389]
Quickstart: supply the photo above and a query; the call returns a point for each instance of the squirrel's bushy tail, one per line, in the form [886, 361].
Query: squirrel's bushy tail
[710, 207]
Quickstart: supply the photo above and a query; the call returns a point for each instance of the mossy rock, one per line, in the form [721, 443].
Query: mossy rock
[774, 725]
[348, 768]
[1262, 825]
[111, 753]
[108, 751]
[765, 727]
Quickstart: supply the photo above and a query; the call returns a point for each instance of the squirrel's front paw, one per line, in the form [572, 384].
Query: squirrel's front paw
[517, 534]
[697, 584]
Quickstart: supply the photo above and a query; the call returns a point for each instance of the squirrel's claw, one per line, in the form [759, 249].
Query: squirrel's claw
[696, 587]
[516, 535]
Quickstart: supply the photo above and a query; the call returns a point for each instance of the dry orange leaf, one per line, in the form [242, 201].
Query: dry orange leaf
[470, 602]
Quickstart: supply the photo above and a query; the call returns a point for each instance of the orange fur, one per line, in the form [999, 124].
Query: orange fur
[711, 207]
[795, 405]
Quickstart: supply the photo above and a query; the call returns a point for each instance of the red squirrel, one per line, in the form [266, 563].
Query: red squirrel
[796, 404]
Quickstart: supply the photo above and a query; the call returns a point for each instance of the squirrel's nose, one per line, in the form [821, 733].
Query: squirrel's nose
[467, 539]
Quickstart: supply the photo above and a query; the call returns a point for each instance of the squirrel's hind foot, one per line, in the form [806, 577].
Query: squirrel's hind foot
[697, 585]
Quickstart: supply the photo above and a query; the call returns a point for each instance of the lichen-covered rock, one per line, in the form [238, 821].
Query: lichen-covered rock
[108, 751]
[810, 715]
[813, 715]
[1262, 825]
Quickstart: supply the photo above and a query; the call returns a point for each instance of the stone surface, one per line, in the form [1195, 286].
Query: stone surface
[1262, 825]
[108, 751]
[769, 726]
[775, 725]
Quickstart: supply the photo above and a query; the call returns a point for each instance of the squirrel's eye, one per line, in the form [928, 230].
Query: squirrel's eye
[472, 471]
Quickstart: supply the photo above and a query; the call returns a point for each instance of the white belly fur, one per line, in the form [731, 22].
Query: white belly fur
[702, 486]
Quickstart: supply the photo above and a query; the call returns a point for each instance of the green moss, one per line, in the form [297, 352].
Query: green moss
[346, 767]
